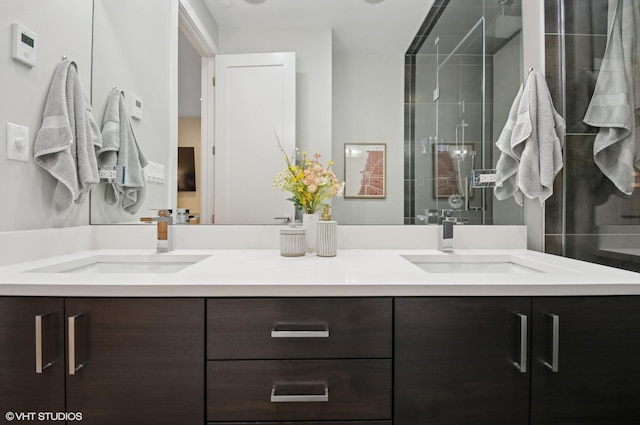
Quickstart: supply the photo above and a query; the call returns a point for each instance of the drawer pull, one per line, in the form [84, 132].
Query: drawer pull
[40, 365]
[300, 330]
[73, 366]
[522, 365]
[300, 393]
[555, 342]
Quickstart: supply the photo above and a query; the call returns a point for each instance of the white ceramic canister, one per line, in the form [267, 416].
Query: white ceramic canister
[292, 241]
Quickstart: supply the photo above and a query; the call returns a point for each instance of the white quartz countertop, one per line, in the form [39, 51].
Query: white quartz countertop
[353, 272]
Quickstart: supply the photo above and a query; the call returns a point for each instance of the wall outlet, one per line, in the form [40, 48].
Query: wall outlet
[483, 178]
[487, 178]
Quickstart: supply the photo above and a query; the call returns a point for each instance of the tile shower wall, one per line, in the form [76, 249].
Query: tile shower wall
[454, 25]
[585, 219]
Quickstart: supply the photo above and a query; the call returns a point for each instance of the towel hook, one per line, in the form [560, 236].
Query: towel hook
[64, 57]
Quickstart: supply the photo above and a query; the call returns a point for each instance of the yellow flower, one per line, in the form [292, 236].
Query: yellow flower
[309, 184]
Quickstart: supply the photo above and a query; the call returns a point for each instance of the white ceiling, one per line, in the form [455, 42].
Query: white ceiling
[359, 26]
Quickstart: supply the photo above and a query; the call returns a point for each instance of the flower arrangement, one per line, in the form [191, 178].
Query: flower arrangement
[309, 183]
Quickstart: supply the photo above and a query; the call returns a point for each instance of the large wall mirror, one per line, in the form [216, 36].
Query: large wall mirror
[353, 86]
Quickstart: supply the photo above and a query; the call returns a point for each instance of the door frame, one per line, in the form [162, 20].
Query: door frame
[194, 30]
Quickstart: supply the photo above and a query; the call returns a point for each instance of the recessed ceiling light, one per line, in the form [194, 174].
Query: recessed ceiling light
[255, 1]
[373, 1]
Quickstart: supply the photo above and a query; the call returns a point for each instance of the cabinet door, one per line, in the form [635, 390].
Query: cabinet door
[593, 376]
[136, 361]
[455, 361]
[31, 355]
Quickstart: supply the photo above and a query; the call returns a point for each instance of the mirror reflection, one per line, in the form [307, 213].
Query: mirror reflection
[351, 87]
[466, 68]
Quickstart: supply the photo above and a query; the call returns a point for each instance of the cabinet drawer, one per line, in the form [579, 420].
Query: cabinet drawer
[299, 390]
[289, 328]
[305, 423]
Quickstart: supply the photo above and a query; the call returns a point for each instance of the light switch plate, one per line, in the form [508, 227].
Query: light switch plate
[136, 106]
[154, 172]
[17, 142]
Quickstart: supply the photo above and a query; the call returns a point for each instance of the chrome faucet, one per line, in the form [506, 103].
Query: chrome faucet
[446, 236]
[164, 238]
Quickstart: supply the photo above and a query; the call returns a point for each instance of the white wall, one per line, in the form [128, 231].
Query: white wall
[340, 98]
[63, 28]
[313, 77]
[507, 62]
[188, 79]
[368, 106]
[143, 63]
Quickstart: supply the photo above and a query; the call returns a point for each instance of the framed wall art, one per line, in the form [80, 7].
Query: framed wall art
[451, 164]
[365, 169]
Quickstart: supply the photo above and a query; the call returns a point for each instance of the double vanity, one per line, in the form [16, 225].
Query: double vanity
[372, 336]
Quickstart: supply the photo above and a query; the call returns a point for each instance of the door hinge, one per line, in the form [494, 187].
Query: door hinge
[213, 81]
[213, 150]
[436, 93]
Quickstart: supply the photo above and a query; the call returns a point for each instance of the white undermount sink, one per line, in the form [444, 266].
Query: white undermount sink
[146, 263]
[468, 263]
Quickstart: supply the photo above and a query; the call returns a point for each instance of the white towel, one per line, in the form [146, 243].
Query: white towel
[122, 150]
[530, 144]
[67, 141]
[616, 99]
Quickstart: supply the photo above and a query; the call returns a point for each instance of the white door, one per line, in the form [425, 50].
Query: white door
[254, 101]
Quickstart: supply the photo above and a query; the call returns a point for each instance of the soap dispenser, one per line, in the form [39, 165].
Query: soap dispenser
[327, 237]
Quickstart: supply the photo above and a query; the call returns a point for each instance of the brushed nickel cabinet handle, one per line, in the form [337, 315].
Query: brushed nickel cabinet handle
[522, 365]
[73, 367]
[555, 342]
[279, 396]
[40, 366]
[300, 330]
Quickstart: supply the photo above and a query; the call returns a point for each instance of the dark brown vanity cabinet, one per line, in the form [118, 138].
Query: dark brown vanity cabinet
[358, 361]
[461, 361]
[299, 359]
[586, 361]
[116, 361]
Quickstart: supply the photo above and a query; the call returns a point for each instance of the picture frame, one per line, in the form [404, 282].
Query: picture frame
[445, 164]
[365, 170]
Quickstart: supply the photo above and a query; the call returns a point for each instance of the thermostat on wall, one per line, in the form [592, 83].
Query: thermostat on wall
[25, 45]
[136, 106]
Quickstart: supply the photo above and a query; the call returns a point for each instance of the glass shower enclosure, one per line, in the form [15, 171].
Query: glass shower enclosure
[450, 111]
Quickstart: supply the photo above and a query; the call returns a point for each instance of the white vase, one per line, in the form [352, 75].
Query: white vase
[327, 242]
[310, 224]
